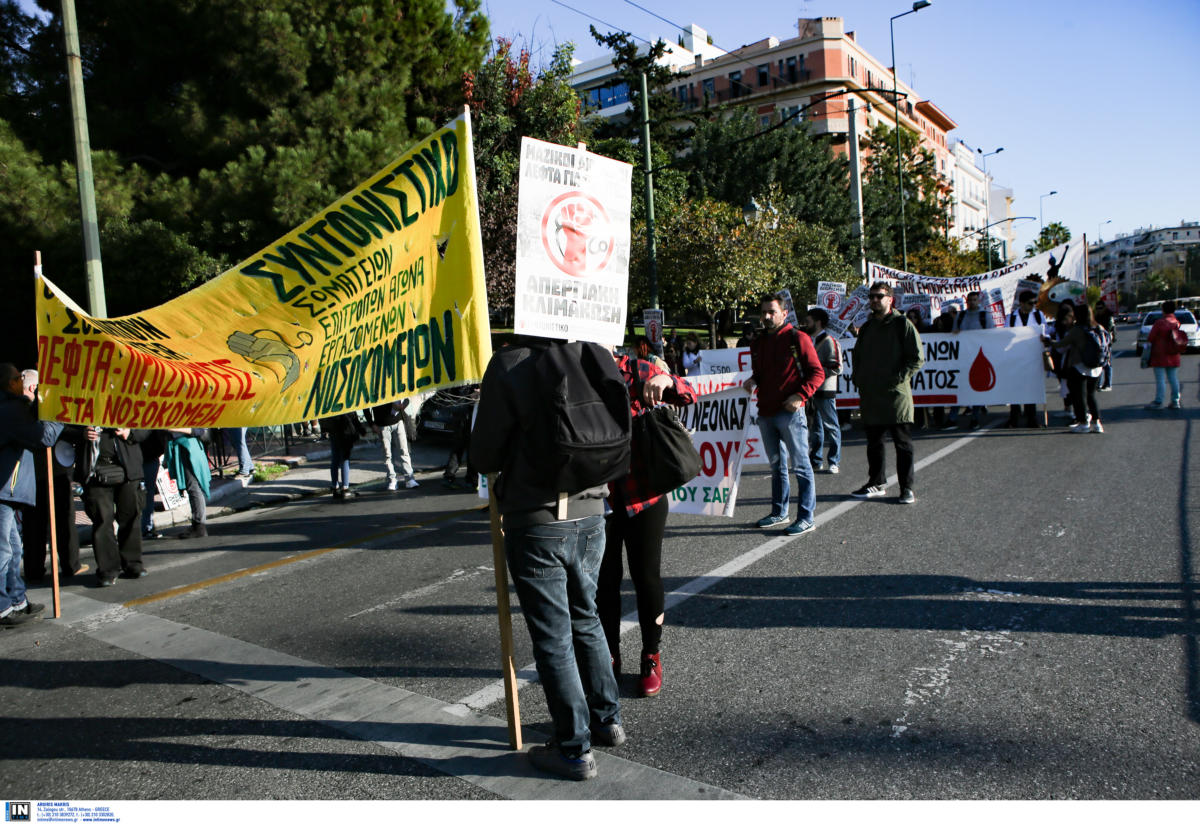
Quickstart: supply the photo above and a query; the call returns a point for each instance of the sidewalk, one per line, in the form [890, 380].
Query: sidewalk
[307, 476]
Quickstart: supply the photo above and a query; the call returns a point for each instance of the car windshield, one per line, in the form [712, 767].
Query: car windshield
[1184, 316]
[1151, 318]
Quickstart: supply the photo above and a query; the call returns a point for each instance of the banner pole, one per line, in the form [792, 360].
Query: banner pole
[53, 530]
[508, 669]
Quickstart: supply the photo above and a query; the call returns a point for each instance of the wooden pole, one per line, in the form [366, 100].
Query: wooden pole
[508, 668]
[53, 530]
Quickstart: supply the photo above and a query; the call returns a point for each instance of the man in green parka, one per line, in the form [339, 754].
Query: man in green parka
[886, 356]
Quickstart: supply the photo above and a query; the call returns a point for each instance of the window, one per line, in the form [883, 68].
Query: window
[853, 67]
[709, 88]
[764, 74]
[736, 88]
[791, 68]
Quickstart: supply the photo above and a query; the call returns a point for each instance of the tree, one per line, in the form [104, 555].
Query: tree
[710, 260]
[733, 160]
[1052, 235]
[945, 258]
[926, 205]
[207, 146]
[508, 101]
[666, 113]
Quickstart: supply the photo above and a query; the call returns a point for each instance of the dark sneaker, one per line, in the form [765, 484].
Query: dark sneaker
[770, 521]
[1154, 405]
[868, 491]
[907, 497]
[195, 531]
[135, 573]
[608, 735]
[105, 582]
[151, 534]
[548, 758]
[800, 527]
[31, 609]
[16, 619]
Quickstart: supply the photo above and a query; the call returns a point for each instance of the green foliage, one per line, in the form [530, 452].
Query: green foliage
[216, 125]
[945, 258]
[508, 101]
[710, 260]
[1055, 234]
[733, 160]
[666, 113]
[926, 206]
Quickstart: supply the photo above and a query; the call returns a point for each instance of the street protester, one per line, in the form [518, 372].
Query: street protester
[1083, 347]
[888, 353]
[109, 466]
[20, 433]
[973, 317]
[1104, 317]
[36, 523]
[1064, 319]
[786, 372]
[187, 464]
[554, 560]
[153, 449]
[1024, 315]
[387, 420]
[637, 521]
[825, 432]
[344, 431]
[1164, 357]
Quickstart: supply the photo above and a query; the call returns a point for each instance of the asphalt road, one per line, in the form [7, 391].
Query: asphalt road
[1029, 629]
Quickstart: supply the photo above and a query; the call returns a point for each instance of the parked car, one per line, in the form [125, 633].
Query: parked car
[446, 410]
[1126, 317]
[1187, 322]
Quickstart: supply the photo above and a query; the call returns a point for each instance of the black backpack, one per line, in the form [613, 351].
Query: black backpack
[581, 438]
[1095, 348]
[668, 455]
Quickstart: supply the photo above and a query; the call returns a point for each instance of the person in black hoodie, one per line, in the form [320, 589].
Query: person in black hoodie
[109, 466]
[343, 430]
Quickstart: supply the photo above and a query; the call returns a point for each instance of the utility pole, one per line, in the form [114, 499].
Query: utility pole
[856, 231]
[83, 166]
[651, 250]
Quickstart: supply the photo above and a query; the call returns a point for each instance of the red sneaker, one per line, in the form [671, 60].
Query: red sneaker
[651, 674]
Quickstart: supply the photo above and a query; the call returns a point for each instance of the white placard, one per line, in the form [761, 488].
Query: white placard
[572, 267]
[719, 423]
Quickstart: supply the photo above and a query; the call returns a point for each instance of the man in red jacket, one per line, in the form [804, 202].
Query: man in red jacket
[787, 372]
[1164, 357]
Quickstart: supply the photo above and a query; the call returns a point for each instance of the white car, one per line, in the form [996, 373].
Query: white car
[1187, 322]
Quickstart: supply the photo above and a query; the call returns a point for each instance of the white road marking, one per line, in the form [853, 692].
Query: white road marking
[494, 691]
[456, 576]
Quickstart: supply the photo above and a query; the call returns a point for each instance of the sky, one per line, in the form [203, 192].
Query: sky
[1094, 100]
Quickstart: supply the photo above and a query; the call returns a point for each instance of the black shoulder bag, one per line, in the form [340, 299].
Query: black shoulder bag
[669, 458]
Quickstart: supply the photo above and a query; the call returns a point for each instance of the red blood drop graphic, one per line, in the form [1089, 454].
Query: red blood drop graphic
[982, 376]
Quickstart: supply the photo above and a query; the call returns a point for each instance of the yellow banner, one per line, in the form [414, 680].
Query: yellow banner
[378, 297]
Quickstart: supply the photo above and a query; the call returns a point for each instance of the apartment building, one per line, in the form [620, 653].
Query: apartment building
[1131, 258]
[777, 79]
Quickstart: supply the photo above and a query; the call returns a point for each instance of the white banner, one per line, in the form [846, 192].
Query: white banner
[992, 367]
[719, 423]
[1062, 270]
[572, 268]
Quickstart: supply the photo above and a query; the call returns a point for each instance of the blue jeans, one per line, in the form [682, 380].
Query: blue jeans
[339, 462]
[1162, 376]
[784, 436]
[554, 567]
[237, 440]
[827, 431]
[13, 593]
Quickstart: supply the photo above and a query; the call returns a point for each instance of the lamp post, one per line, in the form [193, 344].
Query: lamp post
[1099, 227]
[1041, 225]
[920, 4]
[987, 202]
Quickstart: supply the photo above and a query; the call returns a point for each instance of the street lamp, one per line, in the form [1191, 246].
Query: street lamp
[987, 202]
[1099, 226]
[752, 213]
[920, 4]
[1042, 226]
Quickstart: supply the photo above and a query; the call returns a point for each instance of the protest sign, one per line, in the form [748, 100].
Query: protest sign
[1060, 273]
[1108, 294]
[168, 490]
[993, 301]
[652, 321]
[830, 295]
[853, 308]
[991, 367]
[921, 302]
[572, 268]
[719, 423]
[377, 298]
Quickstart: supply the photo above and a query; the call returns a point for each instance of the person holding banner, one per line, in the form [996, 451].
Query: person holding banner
[888, 353]
[974, 317]
[826, 429]
[1026, 314]
[637, 522]
[20, 432]
[787, 373]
